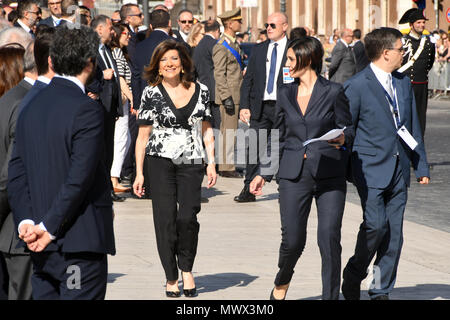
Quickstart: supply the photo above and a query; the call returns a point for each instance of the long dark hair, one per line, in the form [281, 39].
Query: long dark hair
[151, 72]
[11, 66]
[115, 42]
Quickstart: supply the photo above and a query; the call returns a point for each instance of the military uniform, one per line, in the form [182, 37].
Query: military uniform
[228, 77]
[417, 62]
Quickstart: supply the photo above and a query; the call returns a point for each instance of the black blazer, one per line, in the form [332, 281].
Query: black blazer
[47, 21]
[328, 108]
[360, 56]
[108, 90]
[140, 59]
[204, 65]
[57, 174]
[254, 83]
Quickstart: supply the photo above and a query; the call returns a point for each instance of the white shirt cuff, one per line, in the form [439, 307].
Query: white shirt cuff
[26, 221]
[42, 227]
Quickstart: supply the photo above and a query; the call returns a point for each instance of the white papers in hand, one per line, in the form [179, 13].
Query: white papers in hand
[332, 134]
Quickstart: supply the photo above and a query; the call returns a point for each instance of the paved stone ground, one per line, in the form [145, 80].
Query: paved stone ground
[238, 243]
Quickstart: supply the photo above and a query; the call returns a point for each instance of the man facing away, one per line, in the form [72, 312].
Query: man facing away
[388, 140]
[58, 184]
[343, 64]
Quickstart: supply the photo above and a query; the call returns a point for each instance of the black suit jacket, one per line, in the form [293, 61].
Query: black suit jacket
[141, 58]
[57, 174]
[47, 21]
[328, 108]
[9, 110]
[108, 90]
[204, 65]
[254, 83]
[360, 56]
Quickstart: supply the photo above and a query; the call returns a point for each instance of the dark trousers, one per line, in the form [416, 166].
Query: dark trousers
[176, 191]
[295, 205]
[266, 122]
[215, 112]
[20, 270]
[381, 233]
[421, 95]
[69, 276]
[3, 279]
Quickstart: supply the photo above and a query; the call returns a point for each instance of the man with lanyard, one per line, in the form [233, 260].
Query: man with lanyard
[418, 59]
[228, 68]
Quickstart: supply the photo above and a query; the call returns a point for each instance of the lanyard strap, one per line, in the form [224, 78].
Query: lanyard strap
[234, 53]
[393, 102]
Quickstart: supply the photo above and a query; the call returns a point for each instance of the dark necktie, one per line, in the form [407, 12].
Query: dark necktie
[273, 66]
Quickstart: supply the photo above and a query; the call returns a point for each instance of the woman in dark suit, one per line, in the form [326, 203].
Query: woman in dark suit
[174, 123]
[308, 108]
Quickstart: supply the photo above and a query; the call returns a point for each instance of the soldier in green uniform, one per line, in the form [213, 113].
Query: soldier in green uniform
[228, 67]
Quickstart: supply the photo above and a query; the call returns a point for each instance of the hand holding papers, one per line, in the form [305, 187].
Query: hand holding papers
[330, 135]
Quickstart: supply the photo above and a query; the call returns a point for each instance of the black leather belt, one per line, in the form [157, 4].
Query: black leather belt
[270, 102]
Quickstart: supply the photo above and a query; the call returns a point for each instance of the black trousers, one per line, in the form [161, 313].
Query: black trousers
[69, 276]
[295, 205]
[176, 191]
[421, 95]
[266, 122]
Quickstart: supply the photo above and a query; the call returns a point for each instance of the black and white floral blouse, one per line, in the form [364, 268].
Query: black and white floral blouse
[176, 132]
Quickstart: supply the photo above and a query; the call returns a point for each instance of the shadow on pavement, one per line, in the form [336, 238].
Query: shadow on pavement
[220, 281]
[113, 276]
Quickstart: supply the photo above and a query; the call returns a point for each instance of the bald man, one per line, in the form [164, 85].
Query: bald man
[343, 61]
[259, 91]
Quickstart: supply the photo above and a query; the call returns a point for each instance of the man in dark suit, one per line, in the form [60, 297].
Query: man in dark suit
[204, 65]
[359, 51]
[132, 15]
[160, 22]
[343, 64]
[106, 84]
[185, 22]
[69, 227]
[18, 262]
[28, 12]
[388, 140]
[55, 9]
[44, 70]
[259, 92]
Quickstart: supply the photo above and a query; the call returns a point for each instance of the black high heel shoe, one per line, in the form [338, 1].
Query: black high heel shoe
[189, 293]
[172, 294]
[272, 297]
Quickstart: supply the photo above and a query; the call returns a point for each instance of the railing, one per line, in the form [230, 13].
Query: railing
[439, 80]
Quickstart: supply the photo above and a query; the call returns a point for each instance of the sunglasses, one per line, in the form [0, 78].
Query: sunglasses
[126, 33]
[54, 3]
[187, 21]
[136, 15]
[272, 25]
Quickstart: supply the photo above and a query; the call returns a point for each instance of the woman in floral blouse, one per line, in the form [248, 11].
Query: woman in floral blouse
[174, 122]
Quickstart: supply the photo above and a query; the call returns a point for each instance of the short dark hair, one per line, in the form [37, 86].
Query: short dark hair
[159, 19]
[357, 33]
[42, 48]
[25, 5]
[211, 25]
[297, 33]
[378, 40]
[308, 52]
[183, 11]
[72, 49]
[125, 10]
[151, 72]
[98, 20]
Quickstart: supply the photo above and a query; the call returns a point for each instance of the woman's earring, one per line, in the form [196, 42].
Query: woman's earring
[182, 71]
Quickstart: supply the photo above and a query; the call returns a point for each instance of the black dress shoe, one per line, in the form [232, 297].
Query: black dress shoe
[245, 195]
[351, 290]
[381, 297]
[204, 200]
[116, 198]
[230, 174]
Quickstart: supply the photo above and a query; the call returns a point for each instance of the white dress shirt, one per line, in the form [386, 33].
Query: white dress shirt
[385, 79]
[280, 53]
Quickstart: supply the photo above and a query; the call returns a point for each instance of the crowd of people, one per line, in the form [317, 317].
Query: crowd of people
[95, 107]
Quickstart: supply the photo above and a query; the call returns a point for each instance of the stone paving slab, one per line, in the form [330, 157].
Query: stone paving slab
[238, 252]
